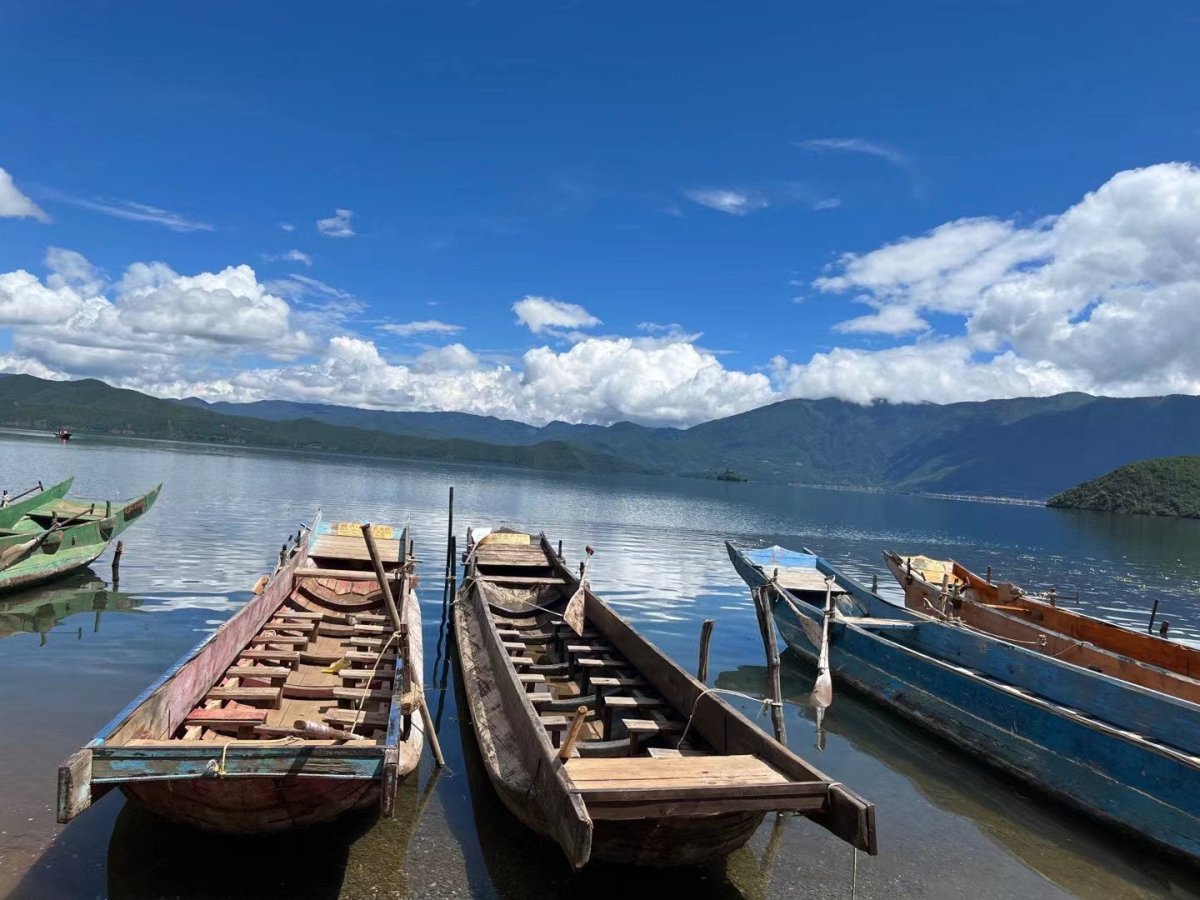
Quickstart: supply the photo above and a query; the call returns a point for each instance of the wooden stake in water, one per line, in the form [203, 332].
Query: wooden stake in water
[706, 631]
[766, 625]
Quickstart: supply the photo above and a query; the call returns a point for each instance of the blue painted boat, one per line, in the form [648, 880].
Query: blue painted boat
[295, 711]
[1126, 755]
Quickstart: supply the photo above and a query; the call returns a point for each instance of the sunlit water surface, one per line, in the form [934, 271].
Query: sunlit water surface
[74, 654]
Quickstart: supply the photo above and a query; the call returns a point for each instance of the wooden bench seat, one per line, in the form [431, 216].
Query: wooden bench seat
[299, 614]
[350, 718]
[605, 681]
[371, 629]
[618, 704]
[363, 674]
[271, 673]
[268, 695]
[645, 728]
[357, 694]
[237, 716]
[287, 656]
[529, 680]
[261, 639]
[360, 656]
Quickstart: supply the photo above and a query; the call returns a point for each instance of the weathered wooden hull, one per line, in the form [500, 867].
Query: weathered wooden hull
[999, 621]
[257, 783]
[643, 810]
[1146, 789]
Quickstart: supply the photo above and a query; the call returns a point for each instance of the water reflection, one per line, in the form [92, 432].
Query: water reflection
[1048, 839]
[39, 610]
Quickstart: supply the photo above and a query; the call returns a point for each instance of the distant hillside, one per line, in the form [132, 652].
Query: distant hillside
[1029, 447]
[1152, 487]
[93, 406]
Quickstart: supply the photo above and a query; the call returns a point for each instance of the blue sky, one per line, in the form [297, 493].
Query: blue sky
[639, 165]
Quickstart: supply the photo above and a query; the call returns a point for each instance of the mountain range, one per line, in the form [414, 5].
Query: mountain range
[1026, 447]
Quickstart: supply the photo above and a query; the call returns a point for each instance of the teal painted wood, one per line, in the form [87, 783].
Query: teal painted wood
[1135, 785]
[14, 511]
[116, 765]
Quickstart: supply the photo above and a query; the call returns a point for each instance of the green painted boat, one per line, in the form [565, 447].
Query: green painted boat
[27, 501]
[62, 536]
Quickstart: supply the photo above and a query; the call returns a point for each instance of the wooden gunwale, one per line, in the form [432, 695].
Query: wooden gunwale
[1117, 776]
[729, 810]
[262, 783]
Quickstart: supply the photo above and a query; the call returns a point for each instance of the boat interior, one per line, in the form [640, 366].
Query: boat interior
[327, 655]
[632, 736]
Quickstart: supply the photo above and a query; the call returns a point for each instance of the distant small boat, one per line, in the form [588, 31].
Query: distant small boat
[603, 744]
[55, 536]
[63, 435]
[295, 711]
[949, 591]
[1124, 754]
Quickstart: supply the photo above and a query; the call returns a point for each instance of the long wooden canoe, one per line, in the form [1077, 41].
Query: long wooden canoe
[61, 536]
[32, 499]
[1124, 754]
[224, 740]
[1006, 610]
[603, 744]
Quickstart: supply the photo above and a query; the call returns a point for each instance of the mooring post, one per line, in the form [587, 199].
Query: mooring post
[116, 568]
[1153, 613]
[766, 625]
[706, 631]
[874, 582]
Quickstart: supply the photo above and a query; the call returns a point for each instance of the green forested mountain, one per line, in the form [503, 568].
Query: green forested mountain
[93, 406]
[1152, 487]
[1029, 447]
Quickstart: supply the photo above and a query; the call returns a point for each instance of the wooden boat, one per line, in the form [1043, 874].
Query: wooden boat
[945, 588]
[63, 435]
[295, 711]
[1124, 754]
[603, 744]
[26, 501]
[60, 536]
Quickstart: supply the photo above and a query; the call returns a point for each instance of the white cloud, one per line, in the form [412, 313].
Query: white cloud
[290, 256]
[545, 314]
[338, 225]
[24, 300]
[1104, 298]
[426, 326]
[727, 200]
[287, 226]
[135, 212]
[858, 145]
[14, 204]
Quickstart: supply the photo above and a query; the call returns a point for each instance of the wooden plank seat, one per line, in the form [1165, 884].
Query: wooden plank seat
[359, 656]
[292, 657]
[514, 646]
[261, 639]
[268, 695]
[371, 643]
[291, 627]
[307, 691]
[617, 704]
[550, 668]
[687, 785]
[371, 629]
[606, 681]
[270, 673]
[367, 619]
[357, 694]
[299, 614]
[364, 674]
[352, 718]
[521, 661]
[588, 666]
[529, 680]
[319, 657]
[237, 715]
[645, 729]
[569, 704]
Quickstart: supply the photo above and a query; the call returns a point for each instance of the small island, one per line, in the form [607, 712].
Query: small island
[730, 475]
[1169, 486]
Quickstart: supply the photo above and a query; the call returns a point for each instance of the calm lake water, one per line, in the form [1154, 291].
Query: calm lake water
[73, 655]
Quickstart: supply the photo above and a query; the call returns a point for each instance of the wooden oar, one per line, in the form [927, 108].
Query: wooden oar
[573, 614]
[36, 487]
[822, 693]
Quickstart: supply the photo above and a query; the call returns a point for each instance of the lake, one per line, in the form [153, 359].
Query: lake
[73, 654]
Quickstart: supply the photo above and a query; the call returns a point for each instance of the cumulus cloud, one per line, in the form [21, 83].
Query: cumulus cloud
[1103, 298]
[338, 225]
[14, 204]
[545, 314]
[728, 200]
[425, 326]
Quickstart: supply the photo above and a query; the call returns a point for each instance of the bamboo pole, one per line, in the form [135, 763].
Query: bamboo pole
[381, 577]
[568, 745]
[706, 631]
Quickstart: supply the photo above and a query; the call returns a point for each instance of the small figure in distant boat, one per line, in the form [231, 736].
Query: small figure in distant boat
[63, 435]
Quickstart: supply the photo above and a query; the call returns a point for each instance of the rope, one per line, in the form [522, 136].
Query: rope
[765, 703]
[854, 873]
[374, 669]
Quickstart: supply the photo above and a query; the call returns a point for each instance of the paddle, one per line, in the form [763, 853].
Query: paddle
[573, 614]
[822, 693]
